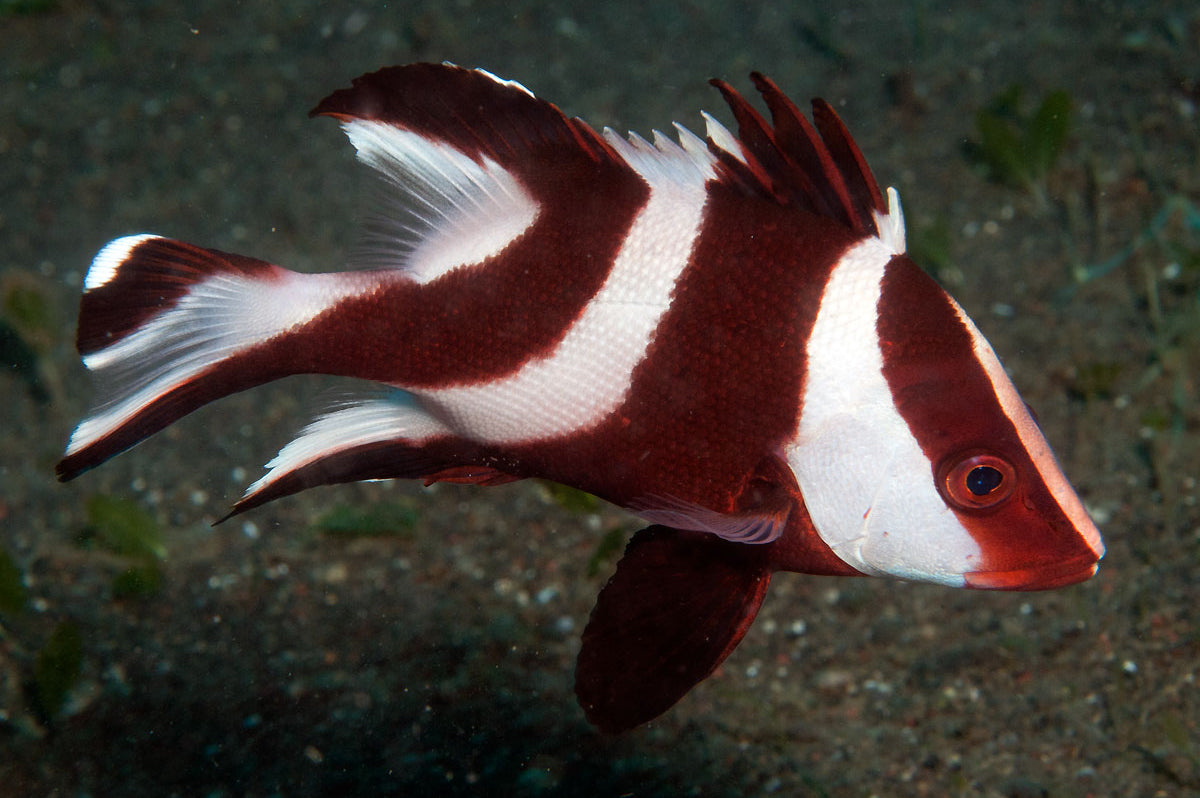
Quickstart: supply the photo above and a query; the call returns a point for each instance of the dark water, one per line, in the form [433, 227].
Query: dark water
[277, 659]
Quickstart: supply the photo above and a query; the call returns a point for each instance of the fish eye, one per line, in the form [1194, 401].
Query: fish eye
[984, 479]
[976, 481]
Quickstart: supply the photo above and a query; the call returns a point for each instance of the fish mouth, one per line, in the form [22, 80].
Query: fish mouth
[1035, 578]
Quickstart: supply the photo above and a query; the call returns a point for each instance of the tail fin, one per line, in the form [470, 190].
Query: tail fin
[166, 327]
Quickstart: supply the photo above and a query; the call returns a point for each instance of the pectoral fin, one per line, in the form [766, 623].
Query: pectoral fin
[678, 604]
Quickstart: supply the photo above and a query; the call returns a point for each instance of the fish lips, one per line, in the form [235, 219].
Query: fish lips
[1036, 577]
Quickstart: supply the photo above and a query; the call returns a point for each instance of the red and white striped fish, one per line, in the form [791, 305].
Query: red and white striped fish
[722, 335]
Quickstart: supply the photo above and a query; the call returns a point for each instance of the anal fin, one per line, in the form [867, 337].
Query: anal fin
[383, 435]
[677, 606]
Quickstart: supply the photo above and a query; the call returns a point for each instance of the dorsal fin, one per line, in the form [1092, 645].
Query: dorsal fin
[467, 162]
[470, 109]
[819, 169]
[864, 191]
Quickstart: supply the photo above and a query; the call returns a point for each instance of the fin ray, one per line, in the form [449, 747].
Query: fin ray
[815, 166]
[462, 155]
[742, 527]
[165, 327]
[384, 435]
[439, 209]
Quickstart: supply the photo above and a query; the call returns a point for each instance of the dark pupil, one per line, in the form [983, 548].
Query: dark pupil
[982, 480]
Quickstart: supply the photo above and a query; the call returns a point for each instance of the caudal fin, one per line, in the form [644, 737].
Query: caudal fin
[166, 327]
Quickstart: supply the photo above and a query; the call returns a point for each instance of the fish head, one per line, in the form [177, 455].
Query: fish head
[915, 455]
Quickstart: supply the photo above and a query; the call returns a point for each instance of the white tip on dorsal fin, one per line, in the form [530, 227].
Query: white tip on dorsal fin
[512, 84]
[891, 224]
[691, 143]
[664, 161]
[721, 136]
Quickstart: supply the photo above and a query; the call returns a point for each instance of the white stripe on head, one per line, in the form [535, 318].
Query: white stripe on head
[866, 482]
[589, 373]
[452, 210]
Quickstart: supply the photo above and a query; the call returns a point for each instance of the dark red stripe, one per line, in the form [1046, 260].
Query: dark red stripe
[470, 325]
[718, 391]
[865, 196]
[477, 324]
[468, 110]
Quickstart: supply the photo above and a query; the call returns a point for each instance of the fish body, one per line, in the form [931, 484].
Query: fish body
[722, 335]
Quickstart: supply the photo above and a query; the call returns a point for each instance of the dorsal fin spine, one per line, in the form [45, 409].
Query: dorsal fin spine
[840, 142]
[814, 166]
[806, 153]
[720, 136]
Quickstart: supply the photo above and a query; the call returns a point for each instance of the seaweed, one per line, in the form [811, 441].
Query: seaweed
[570, 499]
[140, 580]
[28, 330]
[26, 307]
[47, 677]
[930, 244]
[1095, 379]
[1179, 738]
[123, 528]
[57, 668]
[1167, 255]
[608, 547]
[12, 588]
[1018, 148]
[18, 357]
[13, 8]
[376, 520]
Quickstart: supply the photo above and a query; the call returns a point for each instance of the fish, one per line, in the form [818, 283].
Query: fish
[722, 335]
